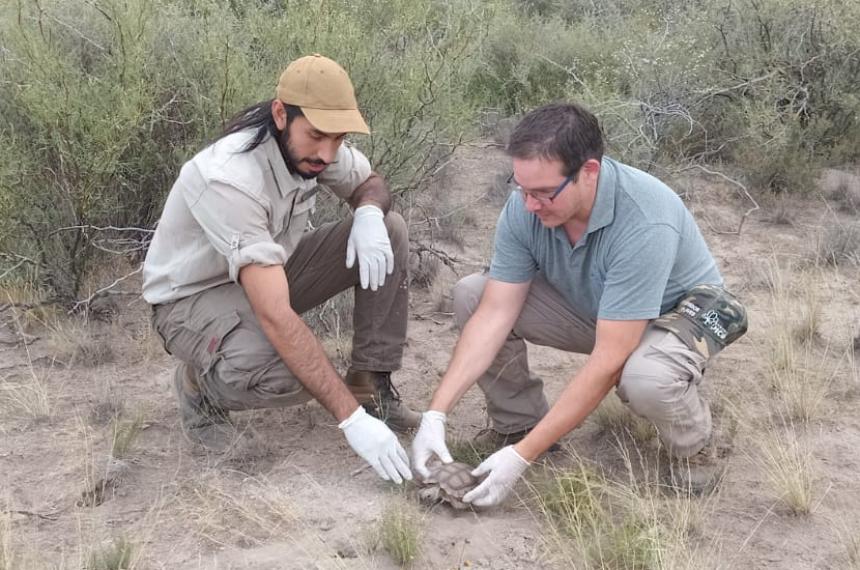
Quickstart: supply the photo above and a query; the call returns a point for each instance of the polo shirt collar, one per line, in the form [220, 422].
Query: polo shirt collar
[603, 211]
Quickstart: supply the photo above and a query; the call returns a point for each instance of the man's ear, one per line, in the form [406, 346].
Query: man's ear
[591, 168]
[279, 114]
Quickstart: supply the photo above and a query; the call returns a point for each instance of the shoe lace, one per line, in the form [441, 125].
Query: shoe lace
[386, 388]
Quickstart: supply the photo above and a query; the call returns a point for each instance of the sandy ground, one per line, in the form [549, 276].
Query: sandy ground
[299, 498]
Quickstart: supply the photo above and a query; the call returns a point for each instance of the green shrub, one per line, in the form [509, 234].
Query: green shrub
[102, 102]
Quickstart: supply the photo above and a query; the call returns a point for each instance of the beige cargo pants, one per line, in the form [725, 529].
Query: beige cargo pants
[660, 381]
[217, 333]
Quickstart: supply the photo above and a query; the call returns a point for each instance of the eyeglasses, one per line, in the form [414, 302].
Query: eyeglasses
[543, 197]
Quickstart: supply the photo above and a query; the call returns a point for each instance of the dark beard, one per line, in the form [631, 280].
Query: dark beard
[290, 159]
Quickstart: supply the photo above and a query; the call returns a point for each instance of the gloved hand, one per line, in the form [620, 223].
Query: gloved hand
[430, 440]
[504, 467]
[368, 240]
[376, 444]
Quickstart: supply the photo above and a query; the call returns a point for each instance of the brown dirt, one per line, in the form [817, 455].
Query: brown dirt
[299, 498]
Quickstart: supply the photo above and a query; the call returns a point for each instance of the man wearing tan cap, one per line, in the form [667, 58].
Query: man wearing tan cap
[231, 268]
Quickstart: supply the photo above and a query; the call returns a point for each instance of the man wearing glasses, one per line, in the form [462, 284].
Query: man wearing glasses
[596, 257]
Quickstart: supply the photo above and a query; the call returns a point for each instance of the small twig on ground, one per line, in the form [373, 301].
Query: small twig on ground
[47, 517]
[421, 317]
[359, 471]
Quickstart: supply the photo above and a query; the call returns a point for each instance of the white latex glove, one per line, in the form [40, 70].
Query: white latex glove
[368, 240]
[429, 440]
[504, 467]
[376, 444]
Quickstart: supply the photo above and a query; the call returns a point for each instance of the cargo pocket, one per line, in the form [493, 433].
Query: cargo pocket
[196, 339]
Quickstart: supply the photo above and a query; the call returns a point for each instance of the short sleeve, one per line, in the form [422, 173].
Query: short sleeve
[638, 271]
[512, 261]
[236, 224]
[349, 170]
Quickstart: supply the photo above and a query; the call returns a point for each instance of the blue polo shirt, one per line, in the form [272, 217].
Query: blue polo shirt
[640, 253]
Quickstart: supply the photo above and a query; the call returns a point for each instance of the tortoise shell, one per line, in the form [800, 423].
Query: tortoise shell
[448, 482]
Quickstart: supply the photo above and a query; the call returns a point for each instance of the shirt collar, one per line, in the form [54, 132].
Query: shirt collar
[603, 211]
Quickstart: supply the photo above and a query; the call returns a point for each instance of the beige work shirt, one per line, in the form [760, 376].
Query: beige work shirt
[229, 208]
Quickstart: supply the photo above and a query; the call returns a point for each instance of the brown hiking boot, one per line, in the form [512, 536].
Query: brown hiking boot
[489, 440]
[380, 398]
[203, 423]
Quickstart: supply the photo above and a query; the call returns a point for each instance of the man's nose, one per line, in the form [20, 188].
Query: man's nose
[328, 150]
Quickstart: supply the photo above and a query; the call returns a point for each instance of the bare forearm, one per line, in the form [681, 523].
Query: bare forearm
[373, 192]
[269, 295]
[304, 356]
[615, 342]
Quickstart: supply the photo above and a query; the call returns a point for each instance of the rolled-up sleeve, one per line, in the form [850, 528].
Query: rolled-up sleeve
[349, 170]
[235, 223]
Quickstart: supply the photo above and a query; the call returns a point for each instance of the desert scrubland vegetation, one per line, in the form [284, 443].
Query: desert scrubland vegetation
[100, 102]
[750, 108]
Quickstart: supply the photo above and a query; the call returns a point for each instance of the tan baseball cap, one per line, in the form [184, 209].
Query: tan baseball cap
[322, 89]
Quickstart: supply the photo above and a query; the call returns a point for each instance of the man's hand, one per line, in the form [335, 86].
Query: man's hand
[503, 469]
[429, 440]
[368, 241]
[376, 444]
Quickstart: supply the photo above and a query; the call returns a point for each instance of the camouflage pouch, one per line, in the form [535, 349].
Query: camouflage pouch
[707, 319]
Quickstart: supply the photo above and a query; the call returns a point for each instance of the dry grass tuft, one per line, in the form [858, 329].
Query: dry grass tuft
[571, 498]
[8, 556]
[400, 530]
[117, 555]
[796, 372]
[75, 343]
[851, 539]
[228, 513]
[798, 381]
[124, 434]
[806, 327]
[28, 396]
[840, 244]
[789, 467]
[595, 522]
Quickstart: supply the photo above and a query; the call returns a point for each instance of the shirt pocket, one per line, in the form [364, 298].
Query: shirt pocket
[296, 207]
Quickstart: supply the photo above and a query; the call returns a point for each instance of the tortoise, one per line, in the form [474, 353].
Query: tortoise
[447, 483]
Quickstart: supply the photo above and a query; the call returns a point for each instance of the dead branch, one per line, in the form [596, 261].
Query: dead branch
[13, 268]
[450, 261]
[103, 291]
[101, 229]
[737, 184]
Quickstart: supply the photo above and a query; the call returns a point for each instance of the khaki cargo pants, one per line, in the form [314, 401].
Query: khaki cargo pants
[216, 332]
[660, 381]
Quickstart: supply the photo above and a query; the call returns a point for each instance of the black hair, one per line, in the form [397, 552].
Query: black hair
[258, 117]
